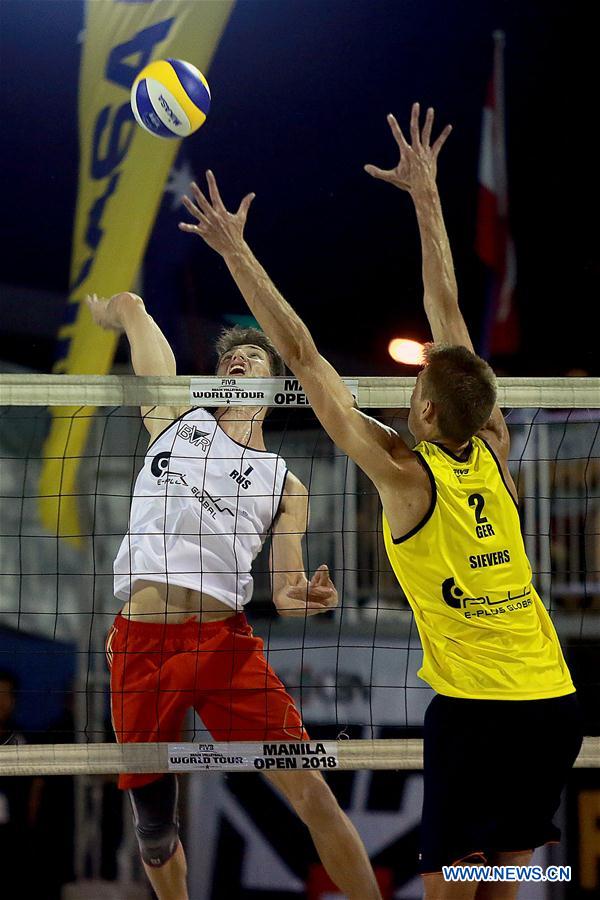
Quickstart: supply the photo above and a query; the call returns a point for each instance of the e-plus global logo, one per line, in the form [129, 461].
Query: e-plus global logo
[161, 471]
[160, 468]
[455, 597]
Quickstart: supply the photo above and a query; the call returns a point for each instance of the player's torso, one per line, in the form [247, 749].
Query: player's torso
[472, 543]
[195, 463]
[201, 509]
[468, 579]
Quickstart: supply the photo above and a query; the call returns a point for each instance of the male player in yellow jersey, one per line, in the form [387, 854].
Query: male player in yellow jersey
[504, 728]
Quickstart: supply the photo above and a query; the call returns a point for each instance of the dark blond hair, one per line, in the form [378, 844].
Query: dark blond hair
[236, 336]
[462, 386]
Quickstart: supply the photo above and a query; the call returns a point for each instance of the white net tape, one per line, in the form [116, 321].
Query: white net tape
[373, 393]
[105, 759]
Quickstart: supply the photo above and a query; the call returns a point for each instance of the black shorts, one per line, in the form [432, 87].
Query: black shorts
[493, 773]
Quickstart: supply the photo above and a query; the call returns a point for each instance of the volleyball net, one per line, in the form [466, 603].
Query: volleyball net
[352, 671]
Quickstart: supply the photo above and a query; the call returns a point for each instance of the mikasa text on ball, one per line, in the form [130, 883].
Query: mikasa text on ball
[170, 98]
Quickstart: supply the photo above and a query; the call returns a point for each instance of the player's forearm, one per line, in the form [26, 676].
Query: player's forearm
[439, 280]
[151, 353]
[276, 317]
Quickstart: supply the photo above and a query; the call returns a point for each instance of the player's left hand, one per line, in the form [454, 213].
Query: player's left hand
[315, 596]
[222, 230]
[418, 161]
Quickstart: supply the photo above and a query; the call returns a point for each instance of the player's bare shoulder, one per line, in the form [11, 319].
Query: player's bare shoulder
[408, 491]
[397, 461]
[401, 479]
[292, 516]
[377, 448]
[295, 494]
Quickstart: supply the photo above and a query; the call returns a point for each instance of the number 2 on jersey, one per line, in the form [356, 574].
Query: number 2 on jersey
[478, 502]
[483, 527]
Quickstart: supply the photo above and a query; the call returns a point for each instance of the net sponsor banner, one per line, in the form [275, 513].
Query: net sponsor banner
[122, 173]
[253, 391]
[251, 757]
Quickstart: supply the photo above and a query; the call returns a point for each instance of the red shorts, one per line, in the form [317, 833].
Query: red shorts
[157, 672]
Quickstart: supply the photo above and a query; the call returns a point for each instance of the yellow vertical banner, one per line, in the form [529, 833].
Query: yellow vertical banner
[122, 173]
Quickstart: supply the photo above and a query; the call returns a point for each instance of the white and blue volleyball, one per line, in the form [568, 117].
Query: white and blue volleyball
[170, 98]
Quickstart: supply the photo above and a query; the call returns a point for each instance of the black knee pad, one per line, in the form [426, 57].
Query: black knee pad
[156, 822]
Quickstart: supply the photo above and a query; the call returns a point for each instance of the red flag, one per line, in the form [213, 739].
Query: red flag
[493, 242]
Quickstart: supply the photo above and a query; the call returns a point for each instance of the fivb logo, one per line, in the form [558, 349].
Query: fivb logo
[194, 436]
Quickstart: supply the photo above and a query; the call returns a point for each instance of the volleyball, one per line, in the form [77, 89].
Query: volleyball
[170, 98]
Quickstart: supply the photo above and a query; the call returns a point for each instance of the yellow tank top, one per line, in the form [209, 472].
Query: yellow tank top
[485, 632]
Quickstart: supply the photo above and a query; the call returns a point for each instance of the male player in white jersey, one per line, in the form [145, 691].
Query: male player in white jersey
[206, 498]
[504, 728]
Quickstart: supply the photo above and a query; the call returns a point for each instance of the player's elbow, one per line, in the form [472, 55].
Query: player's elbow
[130, 304]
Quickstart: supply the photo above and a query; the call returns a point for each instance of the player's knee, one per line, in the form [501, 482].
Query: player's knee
[156, 823]
[157, 842]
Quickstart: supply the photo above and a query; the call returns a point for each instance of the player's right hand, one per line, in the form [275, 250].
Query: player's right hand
[308, 598]
[107, 313]
[221, 229]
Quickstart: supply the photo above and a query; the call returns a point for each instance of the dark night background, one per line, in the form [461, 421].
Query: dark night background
[300, 93]
[300, 90]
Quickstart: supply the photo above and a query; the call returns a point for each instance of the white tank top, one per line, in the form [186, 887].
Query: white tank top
[201, 509]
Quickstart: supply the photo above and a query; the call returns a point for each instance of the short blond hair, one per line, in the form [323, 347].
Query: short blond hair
[462, 386]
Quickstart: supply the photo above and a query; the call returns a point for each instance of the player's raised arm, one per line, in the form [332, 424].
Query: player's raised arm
[151, 353]
[369, 443]
[416, 173]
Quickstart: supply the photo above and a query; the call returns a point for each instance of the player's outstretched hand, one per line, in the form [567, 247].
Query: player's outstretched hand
[222, 230]
[108, 312]
[315, 596]
[417, 166]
